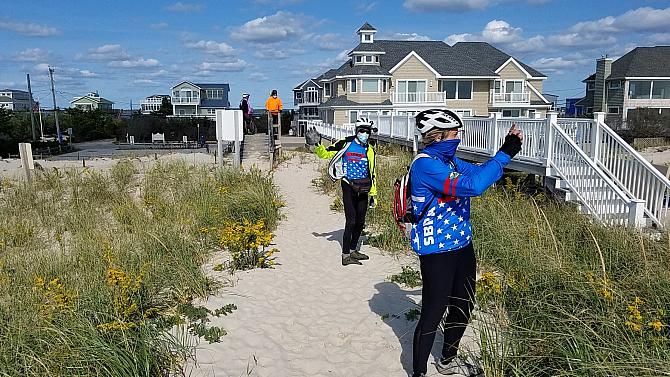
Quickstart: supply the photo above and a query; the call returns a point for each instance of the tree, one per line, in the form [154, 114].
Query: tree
[166, 107]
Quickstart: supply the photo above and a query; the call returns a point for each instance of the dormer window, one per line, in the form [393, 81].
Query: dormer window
[367, 37]
[359, 59]
[368, 58]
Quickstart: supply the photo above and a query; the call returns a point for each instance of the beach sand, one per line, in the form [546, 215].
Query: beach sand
[310, 316]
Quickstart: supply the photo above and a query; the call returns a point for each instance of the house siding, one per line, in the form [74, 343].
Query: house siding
[185, 85]
[366, 97]
[537, 84]
[479, 104]
[413, 69]
[511, 72]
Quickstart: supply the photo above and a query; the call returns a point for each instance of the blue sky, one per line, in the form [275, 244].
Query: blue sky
[127, 50]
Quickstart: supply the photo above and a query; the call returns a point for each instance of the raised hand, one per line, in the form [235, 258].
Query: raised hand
[516, 131]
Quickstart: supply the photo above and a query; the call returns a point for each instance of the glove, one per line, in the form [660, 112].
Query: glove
[511, 146]
[373, 202]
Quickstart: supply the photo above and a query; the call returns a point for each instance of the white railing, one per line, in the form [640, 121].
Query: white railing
[599, 195]
[633, 172]
[186, 100]
[520, 98]
[610, 179]
[419, 97]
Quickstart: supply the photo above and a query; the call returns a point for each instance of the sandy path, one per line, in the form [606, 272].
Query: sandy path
[311, 316]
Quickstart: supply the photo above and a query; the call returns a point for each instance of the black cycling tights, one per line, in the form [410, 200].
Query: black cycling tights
[355, 208]
[448, 282]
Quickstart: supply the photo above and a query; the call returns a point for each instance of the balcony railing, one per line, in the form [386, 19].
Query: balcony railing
[186, 100]
[307, 101]
[514, 98]
[419, 97]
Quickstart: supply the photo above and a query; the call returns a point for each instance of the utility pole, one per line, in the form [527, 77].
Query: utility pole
[32, 114]
[53, 95]
[39, 111]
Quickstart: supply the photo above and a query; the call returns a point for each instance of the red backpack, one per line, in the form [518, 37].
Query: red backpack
[403, 214]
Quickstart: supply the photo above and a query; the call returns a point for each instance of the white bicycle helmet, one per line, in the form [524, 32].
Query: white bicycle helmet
[245, 95]
[364, 122]
[437, 118]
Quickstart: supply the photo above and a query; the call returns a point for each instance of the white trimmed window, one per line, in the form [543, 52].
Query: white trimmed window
[211, 111]
[464, 113]
[370, 86]
[326, 89]
[456, 89]
[614, 84]
[531, 114]
[590, 86]
[352, 86]
[613, 110]
[368, 58]
[353, 115]
[385, 86]
[359, 59]
[511, 113]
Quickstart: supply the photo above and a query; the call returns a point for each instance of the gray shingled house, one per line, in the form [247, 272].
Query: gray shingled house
[404, 77]
[639, 79]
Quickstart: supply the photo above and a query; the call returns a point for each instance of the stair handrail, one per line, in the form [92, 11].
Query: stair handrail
[628, 204]
[653, 202]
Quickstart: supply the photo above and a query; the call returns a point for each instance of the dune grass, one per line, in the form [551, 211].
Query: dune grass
[96, 269]
[559, 295]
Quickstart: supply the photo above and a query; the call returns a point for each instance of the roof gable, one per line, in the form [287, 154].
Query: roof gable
[490, 56]
[366, 27]
[643, 62]
[408, 57]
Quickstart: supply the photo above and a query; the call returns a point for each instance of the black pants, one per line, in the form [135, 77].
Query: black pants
[275, 118]
[448, 282]
[355, 208]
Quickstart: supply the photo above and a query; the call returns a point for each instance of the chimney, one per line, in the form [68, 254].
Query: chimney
[603, 70]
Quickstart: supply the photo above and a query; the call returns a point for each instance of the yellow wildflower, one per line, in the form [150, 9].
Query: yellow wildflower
[633, 326]
[656, 325]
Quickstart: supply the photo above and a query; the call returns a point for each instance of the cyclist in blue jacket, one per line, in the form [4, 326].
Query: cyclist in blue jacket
[441, 187]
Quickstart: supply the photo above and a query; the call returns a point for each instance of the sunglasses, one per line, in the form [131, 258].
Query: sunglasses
[365, 131]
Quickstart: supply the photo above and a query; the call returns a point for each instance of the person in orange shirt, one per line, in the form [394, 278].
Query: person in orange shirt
[274, 106]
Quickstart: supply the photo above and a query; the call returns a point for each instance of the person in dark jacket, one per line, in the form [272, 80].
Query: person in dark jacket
[353, 162]
[441, 188]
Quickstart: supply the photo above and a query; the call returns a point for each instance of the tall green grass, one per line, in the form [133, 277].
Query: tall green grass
[560, 295]
[94, 267]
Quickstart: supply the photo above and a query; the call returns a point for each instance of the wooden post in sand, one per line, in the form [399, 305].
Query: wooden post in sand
[26, 154]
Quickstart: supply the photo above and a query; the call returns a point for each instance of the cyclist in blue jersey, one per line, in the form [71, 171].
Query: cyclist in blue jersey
[441, 188]
[352, 160]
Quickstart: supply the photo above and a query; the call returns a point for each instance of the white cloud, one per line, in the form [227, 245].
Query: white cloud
[278, 27]
[273, 53]
[135, 63]
[465, 37]
[211, 47]
[498, 31]
[108, 52]
[31, 55]
[404, 37]
[87, 73]
[328, 41]
[559, 64]
[235, 65]
[659, 38]
[30, 29]
[258, 76]
[446, 5]
[495, 31]
[159, 26]
[580, 40]
[145, 82]
[184, 7]
[534, 44]
[644, 19]
[365, 7]
[159, 73]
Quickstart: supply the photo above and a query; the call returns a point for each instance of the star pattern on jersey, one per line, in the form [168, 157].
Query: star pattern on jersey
[355, 162]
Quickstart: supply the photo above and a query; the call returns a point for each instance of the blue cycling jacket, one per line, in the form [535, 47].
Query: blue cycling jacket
[441, 187]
